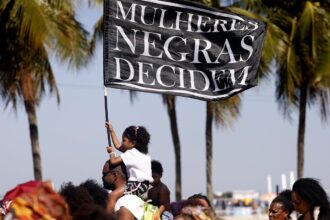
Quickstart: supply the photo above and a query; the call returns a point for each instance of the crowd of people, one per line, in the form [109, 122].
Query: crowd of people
[307, 198]
[133, 189]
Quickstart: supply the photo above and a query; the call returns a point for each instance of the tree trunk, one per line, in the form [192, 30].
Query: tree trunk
[209, 153]
[176, 143]
[301, 131]
[32, 117]
[30, 108]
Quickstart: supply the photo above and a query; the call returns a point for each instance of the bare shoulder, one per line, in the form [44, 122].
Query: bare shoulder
[124, 214]
[161, 188]
[164, 188]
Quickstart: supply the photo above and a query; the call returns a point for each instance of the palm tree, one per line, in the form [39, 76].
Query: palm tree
[302, 60]
[30, 31]
[169, 100]
[98, 27]
[171, 109]
[300, 75]
[226, 111]
[223, 112]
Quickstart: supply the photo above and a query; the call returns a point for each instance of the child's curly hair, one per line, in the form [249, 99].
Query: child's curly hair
[140, 135]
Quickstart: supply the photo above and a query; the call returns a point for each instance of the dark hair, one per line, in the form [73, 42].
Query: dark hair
[311, 191]
[284, 198]
[75, 196]
[184, 216]
[99, 194]
[156, 167]
[119, 168]
[91, 212]
[140, 135]
[201, 196]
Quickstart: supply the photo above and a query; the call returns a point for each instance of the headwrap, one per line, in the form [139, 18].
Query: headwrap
[40, 203]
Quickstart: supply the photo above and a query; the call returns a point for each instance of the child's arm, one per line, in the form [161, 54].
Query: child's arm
[114, 138]
[113, 197]
[114, 160]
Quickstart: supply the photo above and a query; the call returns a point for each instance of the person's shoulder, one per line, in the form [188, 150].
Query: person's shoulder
[130, 199]
[155, 190]
[131, 202]
[164, 188]
[130, 153]
[137, 153]
[133, 151]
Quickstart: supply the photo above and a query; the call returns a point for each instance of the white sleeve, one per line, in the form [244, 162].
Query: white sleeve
[128, 158]
[133, 203]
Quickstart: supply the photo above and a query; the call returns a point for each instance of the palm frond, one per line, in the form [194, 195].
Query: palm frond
[3, 4]
[93, 3]
[97, 35]
[292, 59]
[306, 27]
[323, 64]
[69, 40]
[44, 75]
[255, 6]
[59, 5]
[273, 43]
[323, 48]
[288, 75]
[286, 94]
[31, 19]
[51, 23]
[30, 30]
[226, 111]
[324, 97]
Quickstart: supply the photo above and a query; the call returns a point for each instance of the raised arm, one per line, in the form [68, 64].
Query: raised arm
[114, 138]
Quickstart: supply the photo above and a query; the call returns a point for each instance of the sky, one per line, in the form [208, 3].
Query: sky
[73, 138]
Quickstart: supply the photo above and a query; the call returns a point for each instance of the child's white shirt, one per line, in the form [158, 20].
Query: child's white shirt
[138, 165]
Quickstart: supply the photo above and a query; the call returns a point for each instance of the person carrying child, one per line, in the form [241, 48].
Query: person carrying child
[134, 148]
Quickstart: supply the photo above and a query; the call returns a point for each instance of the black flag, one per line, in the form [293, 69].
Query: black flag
[180, 48]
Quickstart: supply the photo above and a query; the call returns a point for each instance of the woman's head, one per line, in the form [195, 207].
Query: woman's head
[281, 207]
[136, 137]
[307, 193]
[202, 199]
